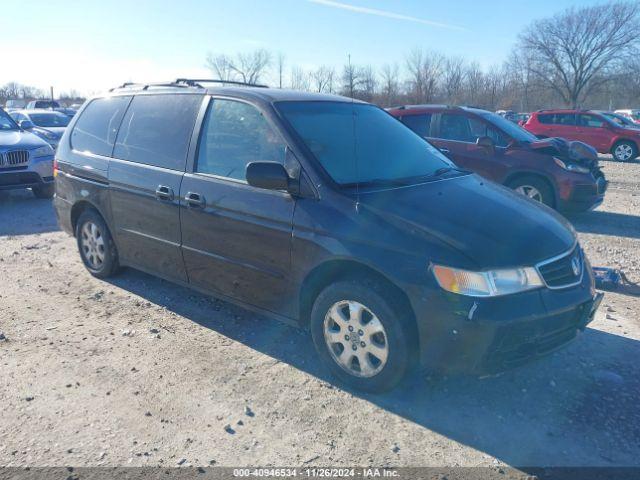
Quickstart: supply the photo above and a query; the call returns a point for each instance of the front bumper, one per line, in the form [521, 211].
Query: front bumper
[37, 173]
[583, 197]
[489, 335]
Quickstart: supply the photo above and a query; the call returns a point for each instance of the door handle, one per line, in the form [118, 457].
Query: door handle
[444, 150]
[194, 200]
[164, 193]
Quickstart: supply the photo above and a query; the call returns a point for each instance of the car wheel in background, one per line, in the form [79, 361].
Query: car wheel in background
[45, 191]
[624, 151]
[534, 188]
[359, 335]
[97, 249]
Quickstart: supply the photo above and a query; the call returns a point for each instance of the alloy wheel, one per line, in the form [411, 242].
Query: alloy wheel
[623, 152]
[92, 244]
[356, 338]
[530, 191]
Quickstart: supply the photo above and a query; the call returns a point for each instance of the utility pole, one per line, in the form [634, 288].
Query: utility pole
[51, 93]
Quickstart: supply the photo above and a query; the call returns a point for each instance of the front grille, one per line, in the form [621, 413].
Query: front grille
[15, 158]
[563, 271]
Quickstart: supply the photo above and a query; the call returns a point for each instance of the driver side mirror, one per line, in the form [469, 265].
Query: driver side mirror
[269, 175]
[486, 143]
[26, 124]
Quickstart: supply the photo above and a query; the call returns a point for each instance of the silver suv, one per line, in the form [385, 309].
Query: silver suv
[26, 161]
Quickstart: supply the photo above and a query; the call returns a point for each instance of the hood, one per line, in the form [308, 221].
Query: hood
[572, 151]
[57, 131]
[489, 224]
[14, 139]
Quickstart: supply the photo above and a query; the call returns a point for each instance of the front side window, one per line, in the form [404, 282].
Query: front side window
[96, 129]
[420, 124]
[361, 144]
[156, 130]
[455, 127]
[233, 135]
[483, 129]
[53, 119]
[590, 121]
[568, 119]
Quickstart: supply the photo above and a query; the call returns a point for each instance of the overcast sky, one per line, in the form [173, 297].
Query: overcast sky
[92, 45]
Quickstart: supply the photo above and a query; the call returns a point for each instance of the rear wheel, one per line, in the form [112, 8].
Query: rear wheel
[624, 151]
[534, 188]
[45, 191]
[359, 335]
[97, 249]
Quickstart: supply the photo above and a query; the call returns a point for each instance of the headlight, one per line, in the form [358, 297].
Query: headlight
[491, 283]
[45, 151]
[571, 167]
[47, 135]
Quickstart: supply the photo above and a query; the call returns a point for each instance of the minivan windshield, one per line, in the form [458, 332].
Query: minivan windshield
[513, 130]
[359, 143]
[6, 122]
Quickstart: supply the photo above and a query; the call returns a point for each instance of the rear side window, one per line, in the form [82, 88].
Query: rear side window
[420, 124]
[235, 134]
[156, 130]
[96, 129]
[558, 118]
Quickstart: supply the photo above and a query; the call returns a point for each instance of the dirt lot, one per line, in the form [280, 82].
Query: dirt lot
[137, 371]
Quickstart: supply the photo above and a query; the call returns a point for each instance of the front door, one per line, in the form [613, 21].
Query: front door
[456, 139]
[236, 239]
[594, 131]
[144, 177]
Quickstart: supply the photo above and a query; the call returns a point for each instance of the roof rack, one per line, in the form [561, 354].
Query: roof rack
[185, 83]
[196, 82]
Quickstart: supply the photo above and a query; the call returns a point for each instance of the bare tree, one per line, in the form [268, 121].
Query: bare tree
[572, 52]
[453, 76]
[390, 84]
[322, 79]
[246, 67]
[369, 82]
[300, 79]
[350, 80]
[424, 73]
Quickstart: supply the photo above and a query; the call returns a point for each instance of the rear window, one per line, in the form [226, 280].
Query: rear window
[420, 124]
[96, 129]
[156, 130]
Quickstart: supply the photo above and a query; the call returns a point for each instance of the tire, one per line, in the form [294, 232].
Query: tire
[535, 188]
[45, 191]
[95, 244]
[624, 151]
[338, 301]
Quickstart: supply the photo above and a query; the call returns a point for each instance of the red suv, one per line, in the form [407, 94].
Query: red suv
[587, 126]
[563, 175]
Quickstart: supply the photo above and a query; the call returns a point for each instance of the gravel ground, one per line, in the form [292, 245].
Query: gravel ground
[137, 371]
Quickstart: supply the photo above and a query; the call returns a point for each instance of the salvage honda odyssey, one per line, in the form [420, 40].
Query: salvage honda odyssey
[326, 213]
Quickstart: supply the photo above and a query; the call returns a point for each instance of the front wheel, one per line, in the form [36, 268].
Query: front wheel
[360, 335]
[533, 188]
[97, 249]
[624, 151]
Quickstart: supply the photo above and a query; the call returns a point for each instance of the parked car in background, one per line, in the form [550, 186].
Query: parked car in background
[68, 111]
[619, 119]
[521, 118]
[631, 114]
[11, 105]
[326, 213]
[587, 126]
[47, 124]
[41, 104]
[559, 174]
[26, 161]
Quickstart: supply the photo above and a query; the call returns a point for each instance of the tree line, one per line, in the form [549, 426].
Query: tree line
[582, 57]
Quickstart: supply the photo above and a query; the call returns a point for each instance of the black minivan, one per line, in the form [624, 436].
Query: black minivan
[326, 213]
